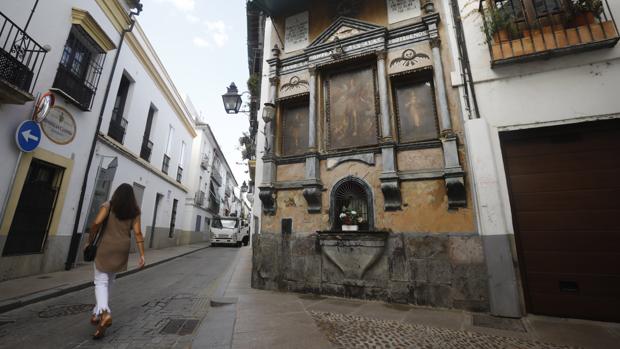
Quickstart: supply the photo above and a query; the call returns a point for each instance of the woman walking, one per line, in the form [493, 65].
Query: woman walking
[119, 217]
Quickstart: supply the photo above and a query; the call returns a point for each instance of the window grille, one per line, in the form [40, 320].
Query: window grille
[351, 196]
[80, 68]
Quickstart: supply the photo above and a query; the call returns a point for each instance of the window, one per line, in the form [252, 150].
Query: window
[80, 68]
[173, 217]
[118, 124]
[147, 145]
[415, 109]
[182, 157]
[294, 131]
[198, 221]
[351, 110]
[169, 142]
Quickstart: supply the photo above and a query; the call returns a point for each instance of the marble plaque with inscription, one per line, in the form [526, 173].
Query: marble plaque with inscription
[296, 32]
[400, 10]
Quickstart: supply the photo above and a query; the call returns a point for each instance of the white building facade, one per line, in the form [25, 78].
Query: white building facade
[112, 96]
[542, 127]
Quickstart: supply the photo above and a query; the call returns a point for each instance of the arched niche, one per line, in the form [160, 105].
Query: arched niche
[355, 194]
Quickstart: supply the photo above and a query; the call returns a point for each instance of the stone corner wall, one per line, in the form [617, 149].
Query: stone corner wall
[437, 270]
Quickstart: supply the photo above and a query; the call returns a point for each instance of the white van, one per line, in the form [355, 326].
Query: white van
[230, 231]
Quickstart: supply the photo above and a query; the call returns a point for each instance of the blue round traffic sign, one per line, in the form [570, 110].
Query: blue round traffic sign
[28, 136]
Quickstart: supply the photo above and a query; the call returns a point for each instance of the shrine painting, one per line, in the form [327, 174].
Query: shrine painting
[351, 109]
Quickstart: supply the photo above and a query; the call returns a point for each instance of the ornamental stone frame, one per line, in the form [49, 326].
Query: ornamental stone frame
[370, 40]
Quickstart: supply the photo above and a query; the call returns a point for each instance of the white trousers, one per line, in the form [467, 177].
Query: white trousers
[103, 285]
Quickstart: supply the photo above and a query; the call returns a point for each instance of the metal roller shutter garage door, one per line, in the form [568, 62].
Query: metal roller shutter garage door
[564, 185]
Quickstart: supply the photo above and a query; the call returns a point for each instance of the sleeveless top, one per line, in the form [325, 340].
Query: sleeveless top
[113, 249]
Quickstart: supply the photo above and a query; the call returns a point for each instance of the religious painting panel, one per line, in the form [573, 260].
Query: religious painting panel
[294, 130]
[352, 109]
[415, 110]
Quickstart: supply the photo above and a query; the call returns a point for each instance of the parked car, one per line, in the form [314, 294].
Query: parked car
[229, 231]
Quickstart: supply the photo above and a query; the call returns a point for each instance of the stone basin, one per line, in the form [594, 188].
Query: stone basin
[353, 252]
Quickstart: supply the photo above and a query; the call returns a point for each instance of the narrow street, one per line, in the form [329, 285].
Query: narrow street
[142, 306]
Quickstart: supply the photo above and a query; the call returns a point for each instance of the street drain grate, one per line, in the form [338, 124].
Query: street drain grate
[498, 323]
[44, 277]
[180, 327]
[65, 310]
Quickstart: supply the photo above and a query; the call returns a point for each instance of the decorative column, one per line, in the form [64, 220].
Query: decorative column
[267, 192]
[389, 176]
[312, 186]
[454, 176]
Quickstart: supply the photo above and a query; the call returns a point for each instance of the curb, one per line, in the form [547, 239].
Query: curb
[54, 292]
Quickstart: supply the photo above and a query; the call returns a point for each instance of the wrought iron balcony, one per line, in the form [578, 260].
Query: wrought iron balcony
[214, 203]
[522, 30]
[146, 150]
[117, 130]
[179, 174]
[73, 88]
[21, 58]
[215, 174]
[165, 164]
[199, 198]
[204, 163]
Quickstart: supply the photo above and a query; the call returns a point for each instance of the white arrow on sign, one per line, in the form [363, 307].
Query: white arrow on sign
[28, 136]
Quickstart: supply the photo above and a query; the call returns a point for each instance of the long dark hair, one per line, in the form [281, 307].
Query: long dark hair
[123, 203]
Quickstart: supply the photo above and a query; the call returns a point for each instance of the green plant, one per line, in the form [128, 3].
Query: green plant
[582, 6]
[253, 84]
[247, 147]
[497, 20]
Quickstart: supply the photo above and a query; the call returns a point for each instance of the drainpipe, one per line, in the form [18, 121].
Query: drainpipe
[75, 237]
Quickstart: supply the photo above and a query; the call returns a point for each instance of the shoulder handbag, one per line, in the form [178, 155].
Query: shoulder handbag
[91, 250]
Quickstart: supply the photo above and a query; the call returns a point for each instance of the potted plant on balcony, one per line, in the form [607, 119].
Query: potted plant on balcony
[350, 219]
[500, 25]
[585, 11]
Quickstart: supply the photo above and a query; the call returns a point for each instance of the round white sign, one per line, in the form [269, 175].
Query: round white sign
[59, 126]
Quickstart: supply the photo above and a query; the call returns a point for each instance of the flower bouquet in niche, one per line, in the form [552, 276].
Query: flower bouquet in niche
[350, 219]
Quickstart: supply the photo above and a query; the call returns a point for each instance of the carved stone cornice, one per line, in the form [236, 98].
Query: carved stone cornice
[267, 196]
[428, 6]
[313, 195]
[274, 80]
[381, 55]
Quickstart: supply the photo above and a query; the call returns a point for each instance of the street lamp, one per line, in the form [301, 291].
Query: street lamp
[232, 99]
[269, 112]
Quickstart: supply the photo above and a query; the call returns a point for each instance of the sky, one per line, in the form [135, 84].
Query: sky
[202, 44]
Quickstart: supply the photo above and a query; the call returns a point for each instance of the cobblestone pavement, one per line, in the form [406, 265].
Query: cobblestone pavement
[155, 308]
[348, 331]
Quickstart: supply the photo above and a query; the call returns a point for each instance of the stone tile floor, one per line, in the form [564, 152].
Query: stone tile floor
[350, 331]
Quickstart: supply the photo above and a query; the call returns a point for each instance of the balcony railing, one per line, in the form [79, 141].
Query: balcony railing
[179, 174]
[204, 163]
[165, 164]
[117, 130]
[73, 87]
[214, 203]
[199, 198]
[521, 30]
[21, 58]
[215, 174]
[146, 150]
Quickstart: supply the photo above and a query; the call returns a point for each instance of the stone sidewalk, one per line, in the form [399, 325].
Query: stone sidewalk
[23, 291]
[267, 319]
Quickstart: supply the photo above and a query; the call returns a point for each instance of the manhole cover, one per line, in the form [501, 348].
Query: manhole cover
[498, 323]
[180, 327]
[65, 310]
